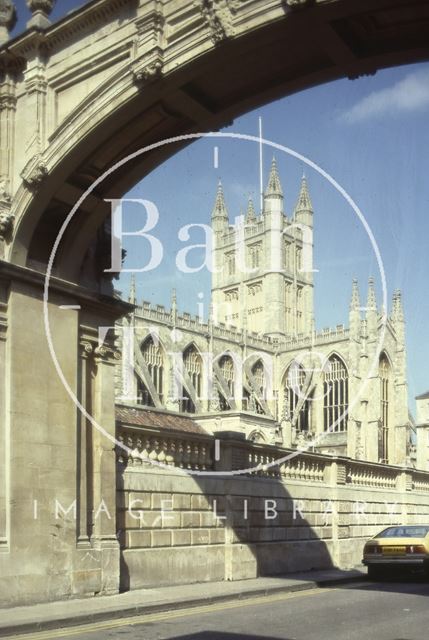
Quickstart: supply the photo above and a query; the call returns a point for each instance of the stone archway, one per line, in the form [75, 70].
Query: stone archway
[158, 69]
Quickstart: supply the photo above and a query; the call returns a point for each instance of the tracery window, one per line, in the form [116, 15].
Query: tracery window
[255, 255]
[384, 375]
[226, 366]
[192, 365]
[294, 395]
[230, 262]
[335, 395]
[288, 307]
[258, 373]
[298, 259]
[152, 354]
[299, 310]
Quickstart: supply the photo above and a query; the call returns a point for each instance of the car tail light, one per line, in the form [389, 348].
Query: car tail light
[372, 548]
[415, 548]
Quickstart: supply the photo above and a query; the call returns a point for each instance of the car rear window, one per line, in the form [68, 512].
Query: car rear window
[404, 532]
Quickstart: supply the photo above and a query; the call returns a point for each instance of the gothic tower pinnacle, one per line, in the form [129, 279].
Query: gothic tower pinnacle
[371, 309]
[250, 213]
[304, 208]
[273, 198]
[219, 213]
[354, 313]
[274, 187]
[132, 296]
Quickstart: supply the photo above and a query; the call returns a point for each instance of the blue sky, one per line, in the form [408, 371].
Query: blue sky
[372, 136]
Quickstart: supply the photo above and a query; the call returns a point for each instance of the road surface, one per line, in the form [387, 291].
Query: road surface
[396, 610]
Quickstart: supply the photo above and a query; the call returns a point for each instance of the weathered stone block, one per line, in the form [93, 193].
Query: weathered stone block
[181, 501]
[190, 519]
[200, 536]
[180, 538]
[160, 538]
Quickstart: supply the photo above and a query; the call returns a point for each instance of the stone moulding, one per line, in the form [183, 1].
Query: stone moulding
[34, 172]
[148, 70]
[7, 219]
[218, 15]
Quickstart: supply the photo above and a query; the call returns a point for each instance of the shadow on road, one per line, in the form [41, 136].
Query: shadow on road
[395, 581]
[222, 635]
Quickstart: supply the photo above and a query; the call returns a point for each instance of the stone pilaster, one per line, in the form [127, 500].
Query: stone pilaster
[104, 468]
[4, 425]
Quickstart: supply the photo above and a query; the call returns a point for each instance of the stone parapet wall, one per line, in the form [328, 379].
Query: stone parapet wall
[178, 524]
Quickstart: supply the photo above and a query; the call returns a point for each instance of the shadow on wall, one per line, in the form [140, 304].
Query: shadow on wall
[219, 528]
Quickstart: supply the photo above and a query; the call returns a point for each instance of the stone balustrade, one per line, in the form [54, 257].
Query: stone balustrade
[368, 475]
[158, 450]
[420, 481]
[150, 449]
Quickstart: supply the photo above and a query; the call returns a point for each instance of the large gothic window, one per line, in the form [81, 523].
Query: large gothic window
[289, 307]
[192, 365]
[258, 373]
[230, 262]
[335, 395]
[152, 355]
[296, 404]
[384, 375]
[255, 255]
[226, 366]
[286, 255]
[299, 310]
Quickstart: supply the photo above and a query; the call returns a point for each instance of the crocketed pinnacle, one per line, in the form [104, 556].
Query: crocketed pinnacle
[250, 214]
[304, 200]
[398, 309]
[371, 302]
[219, 209]
[173, 301]
[355, 300]
[274, 188]
[132, 296]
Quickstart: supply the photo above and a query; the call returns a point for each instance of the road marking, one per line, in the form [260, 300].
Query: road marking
[167, 615]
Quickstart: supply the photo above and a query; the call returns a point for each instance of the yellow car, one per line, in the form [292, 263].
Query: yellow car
[404, 546]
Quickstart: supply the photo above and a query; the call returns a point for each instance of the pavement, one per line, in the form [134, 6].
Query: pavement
[70, 613]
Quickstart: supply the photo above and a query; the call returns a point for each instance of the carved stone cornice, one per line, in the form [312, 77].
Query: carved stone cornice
[106, 353]
[149, 70]
[37, 83]
[219, 15]
[34, 172]
[7, 101]
[86, 348]
[148, 65]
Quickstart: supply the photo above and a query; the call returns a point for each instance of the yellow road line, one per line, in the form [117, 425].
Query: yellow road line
[64, 632]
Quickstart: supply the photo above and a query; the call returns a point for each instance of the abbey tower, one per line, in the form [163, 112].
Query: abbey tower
[263, 265]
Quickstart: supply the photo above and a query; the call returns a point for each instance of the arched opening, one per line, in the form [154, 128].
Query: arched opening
[192, 387]
[335, 395]
[296, 401]
[258, 373]
[384, 372]
[226, 385]
[154, 383]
